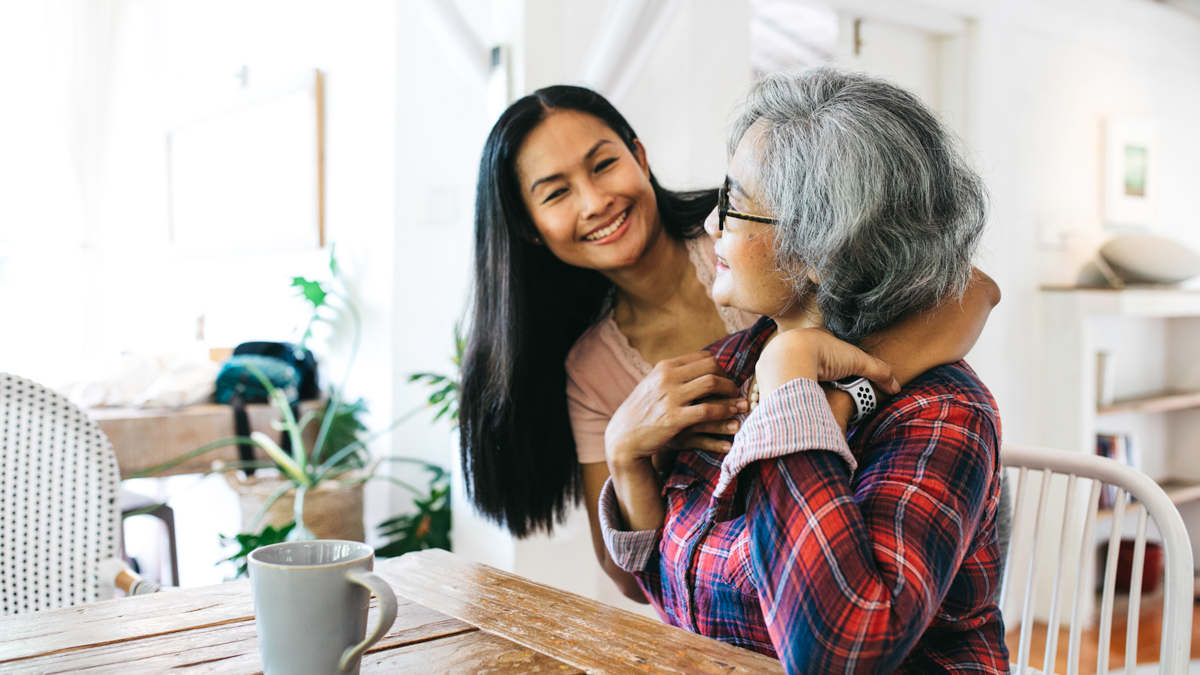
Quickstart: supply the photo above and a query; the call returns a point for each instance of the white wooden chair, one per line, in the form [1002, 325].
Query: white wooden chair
[59, 513]
[1152, 502]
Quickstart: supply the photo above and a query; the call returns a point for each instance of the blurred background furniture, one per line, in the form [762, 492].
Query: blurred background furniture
[1070, 543]
[1152, 393]
[143, 438]
[138, 504]
[59, 515]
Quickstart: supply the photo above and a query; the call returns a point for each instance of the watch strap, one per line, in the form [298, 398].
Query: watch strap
[862, 392]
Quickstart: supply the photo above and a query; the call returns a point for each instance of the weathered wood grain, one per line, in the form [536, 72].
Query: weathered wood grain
[526, 627]
[223, 649]
[589, 635]
[24, 635]
[475, 653]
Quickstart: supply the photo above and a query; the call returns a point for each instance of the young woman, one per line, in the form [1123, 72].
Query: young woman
[587, 274]
[871, 552]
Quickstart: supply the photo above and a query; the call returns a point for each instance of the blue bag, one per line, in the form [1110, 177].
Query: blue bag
[237, 378]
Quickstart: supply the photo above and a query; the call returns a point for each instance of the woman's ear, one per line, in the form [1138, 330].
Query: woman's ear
[813, 276]
[639, 153]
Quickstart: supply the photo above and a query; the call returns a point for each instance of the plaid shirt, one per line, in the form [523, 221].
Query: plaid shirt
[879, 554]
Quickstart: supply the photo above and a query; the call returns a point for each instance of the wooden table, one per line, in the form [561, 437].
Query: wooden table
[455, 617]
[145, 438]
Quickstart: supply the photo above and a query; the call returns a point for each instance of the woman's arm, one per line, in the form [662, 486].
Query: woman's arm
[589, 422]
[594, 477]
[936, 337]
[926, 340]
[678, 393]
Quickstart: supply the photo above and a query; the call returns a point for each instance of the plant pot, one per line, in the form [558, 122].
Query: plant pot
[332, 510]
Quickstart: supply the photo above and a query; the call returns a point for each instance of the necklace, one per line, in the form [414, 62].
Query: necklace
[752, 394]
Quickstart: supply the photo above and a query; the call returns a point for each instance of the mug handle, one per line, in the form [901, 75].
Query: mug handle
[387, 615]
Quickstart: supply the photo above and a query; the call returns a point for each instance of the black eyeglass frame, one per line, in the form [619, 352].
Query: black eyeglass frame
[723, 210]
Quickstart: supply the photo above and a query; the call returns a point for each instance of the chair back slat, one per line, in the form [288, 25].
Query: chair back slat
[1018, 528]
[1110, 583]
[1135, 593]
[1077, 620]
[1032, 576]
[1056, 588]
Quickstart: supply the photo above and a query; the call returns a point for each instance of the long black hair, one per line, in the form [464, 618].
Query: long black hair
[518, 453]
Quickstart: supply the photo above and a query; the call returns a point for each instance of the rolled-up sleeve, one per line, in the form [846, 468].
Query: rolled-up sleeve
[631, 551]
[795, 417]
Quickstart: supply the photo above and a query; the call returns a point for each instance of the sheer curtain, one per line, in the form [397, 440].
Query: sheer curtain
[83, 42]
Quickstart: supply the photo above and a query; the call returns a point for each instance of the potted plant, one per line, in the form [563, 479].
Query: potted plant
[319, 489]
[429, 527]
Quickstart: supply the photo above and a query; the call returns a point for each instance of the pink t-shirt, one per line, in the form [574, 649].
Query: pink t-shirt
[603, 368]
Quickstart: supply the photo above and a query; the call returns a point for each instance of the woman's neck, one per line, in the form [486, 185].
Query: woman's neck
[801, 314]
[658, 279]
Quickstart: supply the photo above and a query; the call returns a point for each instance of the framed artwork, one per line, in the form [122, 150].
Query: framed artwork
[248, 177]
[1131, 180]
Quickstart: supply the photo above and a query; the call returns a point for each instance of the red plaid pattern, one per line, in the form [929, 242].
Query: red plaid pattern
[879, 554]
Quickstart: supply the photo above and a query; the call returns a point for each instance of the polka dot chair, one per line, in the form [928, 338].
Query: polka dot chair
[59, 512]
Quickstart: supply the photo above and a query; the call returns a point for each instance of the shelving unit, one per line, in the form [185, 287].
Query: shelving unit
[1154, 336]
[1164, 402]
[1180, 492]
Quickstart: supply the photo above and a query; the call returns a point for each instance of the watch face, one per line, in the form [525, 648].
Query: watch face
[852, 379]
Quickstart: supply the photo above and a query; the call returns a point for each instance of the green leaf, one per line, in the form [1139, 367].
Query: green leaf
[429, 527]
[313, 291]
[343, 431]
[286, 463]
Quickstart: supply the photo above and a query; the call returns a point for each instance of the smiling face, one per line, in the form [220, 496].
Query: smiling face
[747, 276]
[588, 195]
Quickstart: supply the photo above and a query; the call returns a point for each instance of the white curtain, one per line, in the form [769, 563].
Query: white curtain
[623, 43]
[83, 38]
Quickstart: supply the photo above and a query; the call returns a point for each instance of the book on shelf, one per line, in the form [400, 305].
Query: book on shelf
[1122, 448]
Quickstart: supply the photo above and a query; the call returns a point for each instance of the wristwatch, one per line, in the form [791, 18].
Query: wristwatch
[863, 394]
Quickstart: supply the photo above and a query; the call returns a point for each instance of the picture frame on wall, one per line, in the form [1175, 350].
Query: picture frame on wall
[1131, 180]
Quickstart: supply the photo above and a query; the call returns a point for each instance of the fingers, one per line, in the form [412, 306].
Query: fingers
[689, 441]
[879, 372]
[705, 412]
[708, 385]
[726, 426]
[699, 367]
[857, 362]
[686, 360]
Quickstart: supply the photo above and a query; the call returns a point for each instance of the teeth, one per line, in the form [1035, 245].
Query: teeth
[600, 234]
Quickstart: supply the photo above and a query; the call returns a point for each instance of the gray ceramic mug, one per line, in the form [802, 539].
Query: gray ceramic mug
[310, 606]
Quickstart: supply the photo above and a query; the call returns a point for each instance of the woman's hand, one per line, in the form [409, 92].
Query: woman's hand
[815, 354]
[677, 405]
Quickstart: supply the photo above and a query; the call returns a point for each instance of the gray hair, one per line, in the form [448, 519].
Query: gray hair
[871, 193]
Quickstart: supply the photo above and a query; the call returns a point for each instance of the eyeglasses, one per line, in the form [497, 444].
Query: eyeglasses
[724, 211]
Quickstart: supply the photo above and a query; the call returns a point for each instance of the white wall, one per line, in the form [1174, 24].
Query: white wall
[1049, 72]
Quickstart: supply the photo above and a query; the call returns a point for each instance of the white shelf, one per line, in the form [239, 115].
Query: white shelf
[1180, 492]
[1144, 302]
[1153, 403]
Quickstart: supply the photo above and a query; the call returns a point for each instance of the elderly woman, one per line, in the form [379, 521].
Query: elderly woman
[872, 549]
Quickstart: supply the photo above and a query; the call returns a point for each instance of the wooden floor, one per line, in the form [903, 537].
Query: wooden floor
[1149, 632]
